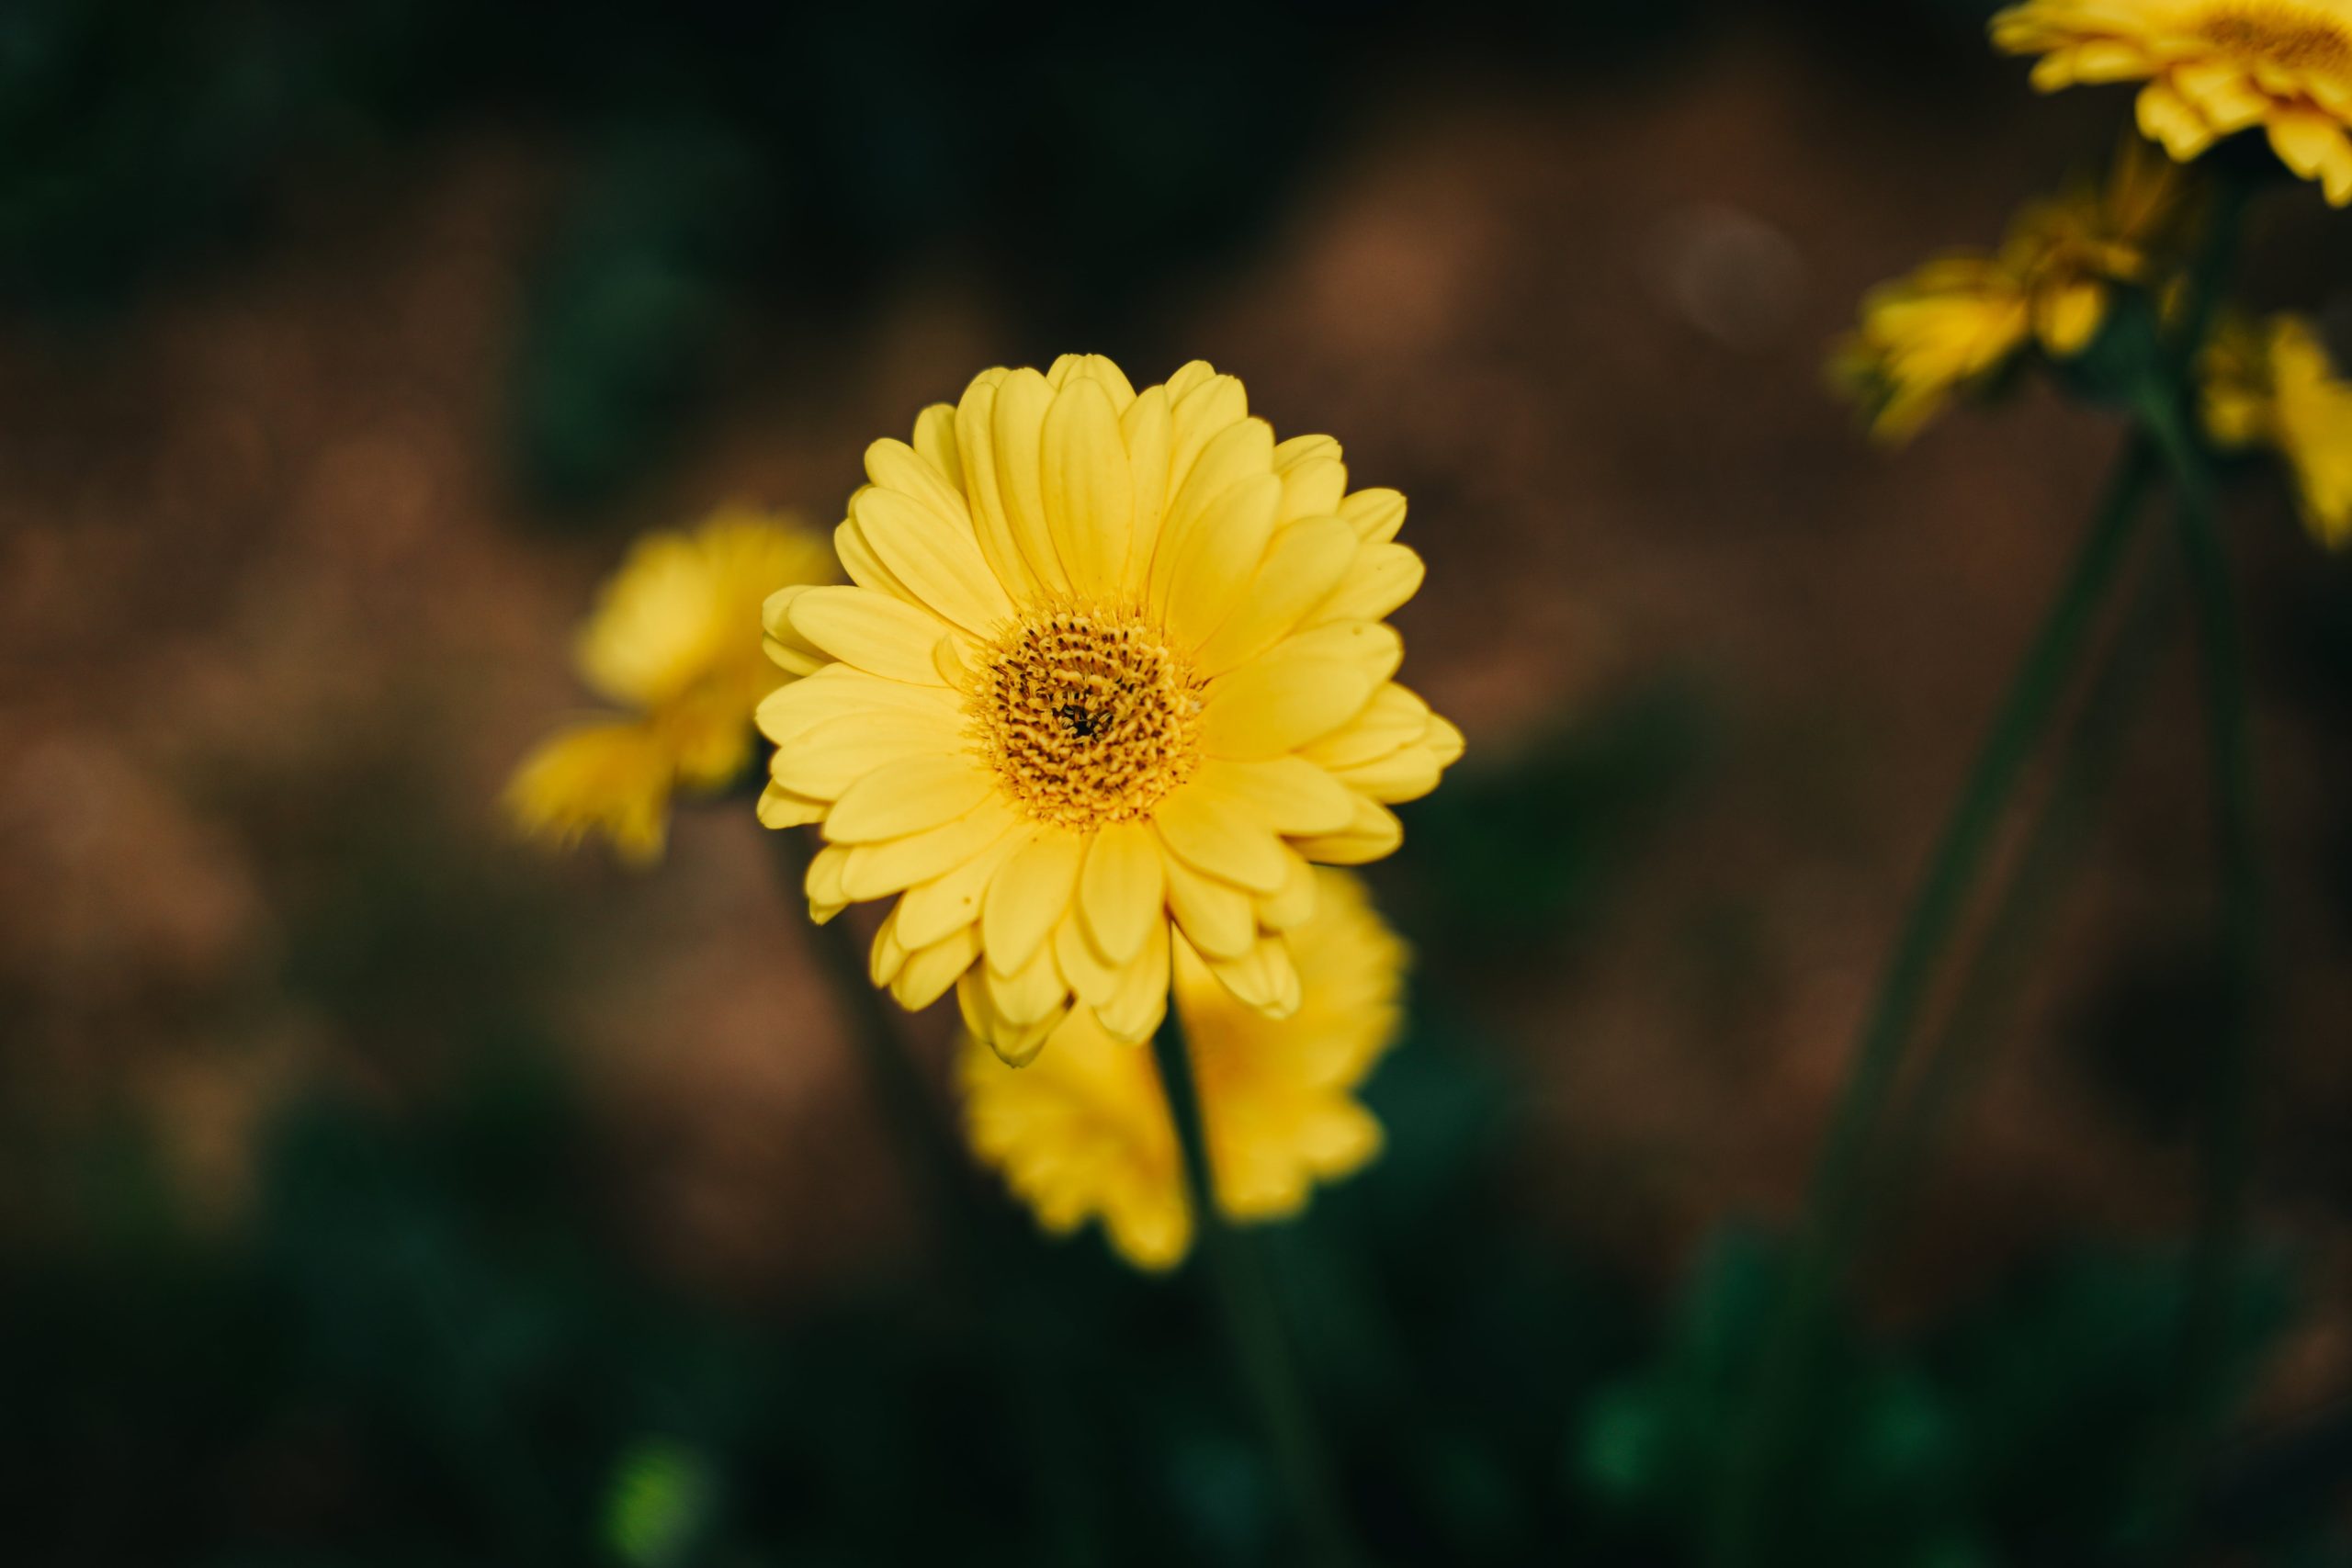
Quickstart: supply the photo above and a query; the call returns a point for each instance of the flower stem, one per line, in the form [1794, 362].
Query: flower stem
[891, 1075]
[967, 1239]
[2221, 1226]
[1959, 858]
[1253, 1325]
[2013, 934]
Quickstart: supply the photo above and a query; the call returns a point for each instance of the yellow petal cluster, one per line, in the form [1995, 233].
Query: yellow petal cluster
[2272, 384]
[1961, 318]
[676, 640]
[2211, 68]
[1085, 1134]
[1111, 664]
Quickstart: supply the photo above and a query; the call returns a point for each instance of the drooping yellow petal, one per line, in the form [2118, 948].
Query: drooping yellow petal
[932, 910]
[1120, 889]
[1217, 916]
[1220, 837]
[1029, 896]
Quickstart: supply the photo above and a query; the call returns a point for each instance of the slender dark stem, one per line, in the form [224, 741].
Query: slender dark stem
[2221, 1227]
[1959, 858]
[2013, 934]
[1036, 1390]
[891, 1075]
[1253, 1324]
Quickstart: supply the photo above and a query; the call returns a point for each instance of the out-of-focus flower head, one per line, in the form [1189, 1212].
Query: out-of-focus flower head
[1961, 319]
[675, 639]
[1084, 1132]
[2271, 384]
[1115, 664]
[2211, 68]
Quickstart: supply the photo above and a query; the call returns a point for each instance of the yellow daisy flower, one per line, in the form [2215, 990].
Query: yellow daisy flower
[1960, 318]
[2212, 68]
[676, 638]
[1111, 660]
[2273, 385]
[1084, 1132]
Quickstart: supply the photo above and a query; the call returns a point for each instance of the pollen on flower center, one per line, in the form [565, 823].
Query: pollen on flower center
[2283, 36]
[1087, 716]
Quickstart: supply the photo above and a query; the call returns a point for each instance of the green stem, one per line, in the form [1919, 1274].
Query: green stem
[2013, 934]
[891, 1075]
[2221, 1226]
[1959, 858]
[1253, 1322]
[968, 1238]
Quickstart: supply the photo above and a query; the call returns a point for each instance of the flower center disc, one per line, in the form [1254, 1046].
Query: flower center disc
[1086, 715]
[2282, 35]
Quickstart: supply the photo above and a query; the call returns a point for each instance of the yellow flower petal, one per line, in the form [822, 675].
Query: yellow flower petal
[1017, 432]
[934, 442]
[1215, 916]
[939, 561]
[825, 760]
[1379, 580]
[1376, 515]
[896, 466]
[932, 910]
[1146, 431]
[1222, 548]
[780, 807]
[984, 493]
[1029, 895]
[879, 634]
[1093, 977]
[878, 870]
[1277, 704]
[1135, 1009]
[1292, 793]
[1089, 487]
[1222, 837]
[907, 796]
[1120, 890]
[1373, 834]
[1306, 561]
[929, 971]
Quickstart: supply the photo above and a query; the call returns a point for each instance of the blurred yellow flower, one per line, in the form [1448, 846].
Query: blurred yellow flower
[676, 638]
[1084, 1132]
[1960, 319]
[1113, 660]
[2272, 384]
[2212, 68]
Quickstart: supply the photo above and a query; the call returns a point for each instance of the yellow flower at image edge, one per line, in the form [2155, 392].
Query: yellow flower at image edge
[1084, 1132]
[675, 638]
[2272, 384]
[1112, 664]
[2211, 68]
[1960, 319]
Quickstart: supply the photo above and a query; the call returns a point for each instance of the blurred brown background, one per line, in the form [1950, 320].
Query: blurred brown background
[282, 605]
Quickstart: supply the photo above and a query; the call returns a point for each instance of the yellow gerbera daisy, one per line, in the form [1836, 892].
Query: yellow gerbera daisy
[676, 638]
[1960, 318]
[2212, 68]
[2273, 385]
[1085, 1133]
[1112, 659]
